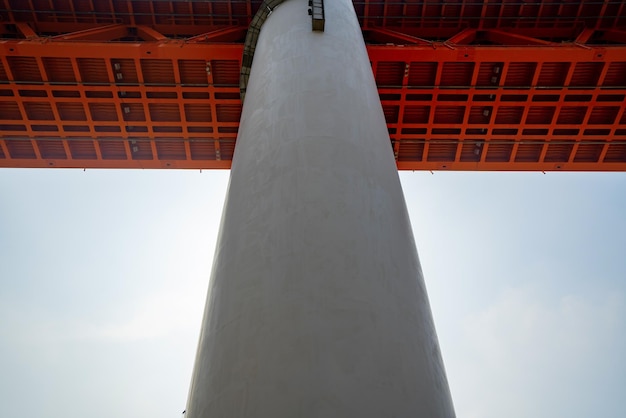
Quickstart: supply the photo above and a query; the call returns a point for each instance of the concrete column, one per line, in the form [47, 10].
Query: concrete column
[316, 305]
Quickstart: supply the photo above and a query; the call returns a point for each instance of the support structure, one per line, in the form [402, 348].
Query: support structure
[497, 86]
[317, 305]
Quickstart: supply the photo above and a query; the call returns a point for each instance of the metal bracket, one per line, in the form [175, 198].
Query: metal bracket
[316, 10]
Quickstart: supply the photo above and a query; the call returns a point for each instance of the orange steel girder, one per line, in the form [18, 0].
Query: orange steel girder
[79, 100]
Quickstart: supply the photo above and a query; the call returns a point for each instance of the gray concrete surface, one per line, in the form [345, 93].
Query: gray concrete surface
[316, 305]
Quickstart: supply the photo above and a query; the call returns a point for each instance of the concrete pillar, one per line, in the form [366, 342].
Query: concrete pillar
[316, 305]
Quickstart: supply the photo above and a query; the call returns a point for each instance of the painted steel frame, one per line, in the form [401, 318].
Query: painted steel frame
[442, 113]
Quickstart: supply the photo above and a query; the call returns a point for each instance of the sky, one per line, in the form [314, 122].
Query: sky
[103, 276]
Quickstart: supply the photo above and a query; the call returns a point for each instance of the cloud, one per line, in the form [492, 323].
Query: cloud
[157, 315]
[542, 357]
[164, 313]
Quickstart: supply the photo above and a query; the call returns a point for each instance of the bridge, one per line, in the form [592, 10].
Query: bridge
[464, 85]
[317, 304]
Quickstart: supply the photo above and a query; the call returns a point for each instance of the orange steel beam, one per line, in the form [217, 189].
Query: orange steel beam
[101, 33]
[26, 30]
[506, 38]
[466, 36]
[227, 34]
[148, 34]
[383, 35]
[164, 28]
[584, 36]
[171, 103]
[178, 14]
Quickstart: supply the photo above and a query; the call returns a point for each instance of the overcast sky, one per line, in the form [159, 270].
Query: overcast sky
[103, 276]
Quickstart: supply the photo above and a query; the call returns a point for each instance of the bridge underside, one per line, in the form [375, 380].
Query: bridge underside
[464, 86]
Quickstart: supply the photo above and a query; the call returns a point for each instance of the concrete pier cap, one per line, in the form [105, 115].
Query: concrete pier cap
[316, 305]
